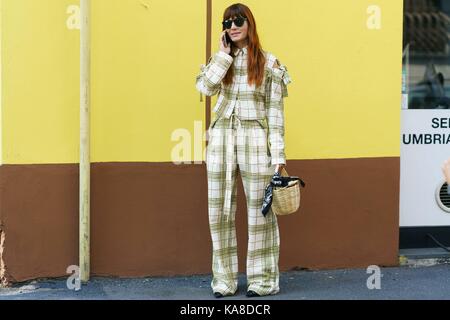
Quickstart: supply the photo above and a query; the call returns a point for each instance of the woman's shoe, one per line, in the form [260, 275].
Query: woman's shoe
[251, 294]
[218, 295]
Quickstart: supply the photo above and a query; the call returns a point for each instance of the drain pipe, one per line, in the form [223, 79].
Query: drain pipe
[84, 228]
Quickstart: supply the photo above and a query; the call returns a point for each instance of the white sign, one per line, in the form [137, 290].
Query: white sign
[425, 145]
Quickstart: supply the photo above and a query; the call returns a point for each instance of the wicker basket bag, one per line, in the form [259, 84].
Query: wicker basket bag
[286, 200]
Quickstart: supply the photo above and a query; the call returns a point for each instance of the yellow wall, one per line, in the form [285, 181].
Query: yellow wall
[1, 83]
[344, 100]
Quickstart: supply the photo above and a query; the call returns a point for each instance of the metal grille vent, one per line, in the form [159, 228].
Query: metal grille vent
[443, 198]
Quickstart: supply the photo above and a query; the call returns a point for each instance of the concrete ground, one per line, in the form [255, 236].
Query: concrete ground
[406, 282]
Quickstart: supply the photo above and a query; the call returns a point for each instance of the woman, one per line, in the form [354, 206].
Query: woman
[251, 84]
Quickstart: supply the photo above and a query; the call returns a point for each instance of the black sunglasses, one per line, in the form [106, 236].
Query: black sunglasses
[239, 22]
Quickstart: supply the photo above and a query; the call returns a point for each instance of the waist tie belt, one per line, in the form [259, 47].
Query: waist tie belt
[230, 160]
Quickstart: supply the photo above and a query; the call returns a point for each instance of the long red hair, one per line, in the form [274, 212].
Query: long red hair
[256, 60]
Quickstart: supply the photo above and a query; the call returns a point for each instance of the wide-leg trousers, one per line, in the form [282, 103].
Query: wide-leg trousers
[246, 143]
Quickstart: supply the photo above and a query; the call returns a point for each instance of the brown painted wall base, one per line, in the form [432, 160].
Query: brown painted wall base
[151, 218]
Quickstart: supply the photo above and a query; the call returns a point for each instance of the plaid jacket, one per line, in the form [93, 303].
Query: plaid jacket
[264, 103]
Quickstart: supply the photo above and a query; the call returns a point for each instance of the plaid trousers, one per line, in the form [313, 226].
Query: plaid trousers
[241, 144]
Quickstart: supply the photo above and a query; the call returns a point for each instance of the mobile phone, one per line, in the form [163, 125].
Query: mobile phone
[227, 39]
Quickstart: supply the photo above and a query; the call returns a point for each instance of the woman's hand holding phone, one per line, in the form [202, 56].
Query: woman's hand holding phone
[224, 46]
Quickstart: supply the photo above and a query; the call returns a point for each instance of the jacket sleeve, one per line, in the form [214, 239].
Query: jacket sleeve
[279, 79]
[210, 78]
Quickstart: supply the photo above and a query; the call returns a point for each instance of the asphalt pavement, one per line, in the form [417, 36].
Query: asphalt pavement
[405, 282]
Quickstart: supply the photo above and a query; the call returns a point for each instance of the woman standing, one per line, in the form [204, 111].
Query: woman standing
[247, 134]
